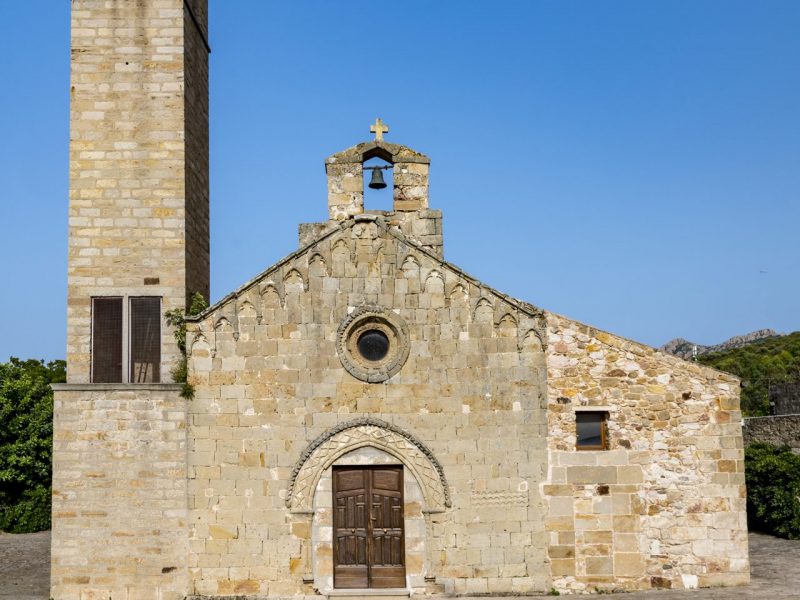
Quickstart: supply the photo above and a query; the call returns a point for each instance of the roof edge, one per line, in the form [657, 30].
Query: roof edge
[337, 226]
[525, 307]
[394, 153]
[677, 359]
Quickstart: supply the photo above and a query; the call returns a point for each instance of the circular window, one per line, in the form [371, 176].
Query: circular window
[372, 343]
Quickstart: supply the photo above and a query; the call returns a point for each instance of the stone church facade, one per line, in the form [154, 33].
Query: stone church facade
[368, 419]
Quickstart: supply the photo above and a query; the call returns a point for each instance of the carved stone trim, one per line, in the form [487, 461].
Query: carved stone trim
[367, 431]
[501, 499]
[372, 317]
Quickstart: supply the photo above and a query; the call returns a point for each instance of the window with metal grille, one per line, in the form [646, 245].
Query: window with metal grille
[145, 340]
[107, 340]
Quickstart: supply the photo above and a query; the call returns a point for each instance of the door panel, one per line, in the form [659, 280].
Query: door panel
[351, 568]
[386, 503]
[369, 548]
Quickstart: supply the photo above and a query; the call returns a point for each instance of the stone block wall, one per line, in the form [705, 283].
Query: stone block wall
[410, 183]
[664, 506]
[138, 206]
[423, 226]
[196, 50]
[119, 492]
[345, 189]
[783, 430]
[269, 380]
[784, 398]
[320, 569]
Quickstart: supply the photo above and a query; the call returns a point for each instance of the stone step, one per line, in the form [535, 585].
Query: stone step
[370, 594]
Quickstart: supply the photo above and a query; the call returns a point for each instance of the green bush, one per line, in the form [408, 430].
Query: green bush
[26, 438]
[759, 365]
[177, 319]
[773, 490]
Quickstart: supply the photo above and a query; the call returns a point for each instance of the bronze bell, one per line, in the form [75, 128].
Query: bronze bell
[377, 182]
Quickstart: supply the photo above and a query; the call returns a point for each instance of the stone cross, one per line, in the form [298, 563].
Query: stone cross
[379, 129]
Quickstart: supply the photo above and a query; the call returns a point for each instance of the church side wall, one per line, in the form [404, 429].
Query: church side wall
[268, 381]
[664, 506]
[119, 492]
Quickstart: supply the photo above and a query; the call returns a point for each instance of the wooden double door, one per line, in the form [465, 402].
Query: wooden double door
[368, 536]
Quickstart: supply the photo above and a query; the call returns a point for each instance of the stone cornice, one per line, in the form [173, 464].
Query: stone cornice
[393, 153]
[520, 305]
[116, 387]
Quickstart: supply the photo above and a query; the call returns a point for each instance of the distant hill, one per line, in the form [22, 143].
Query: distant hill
[760, 363]
[685, 348]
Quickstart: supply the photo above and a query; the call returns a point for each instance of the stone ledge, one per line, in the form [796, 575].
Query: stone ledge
[116, 387]
[369, 593]
[746, 420]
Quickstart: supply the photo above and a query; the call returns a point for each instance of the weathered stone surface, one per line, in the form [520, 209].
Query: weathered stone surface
[784, 398]
[269, 380]
[138, 226]
[138, 197]
[671, 507]
[781, 430]
[475, 394]
[25, 568]
[119, 492]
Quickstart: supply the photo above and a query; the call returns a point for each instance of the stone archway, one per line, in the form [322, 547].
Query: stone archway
[364, 441]
[321, 522]
[358, 433]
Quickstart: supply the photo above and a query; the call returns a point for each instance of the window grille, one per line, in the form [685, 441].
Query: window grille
[145, 340]
[107, 340]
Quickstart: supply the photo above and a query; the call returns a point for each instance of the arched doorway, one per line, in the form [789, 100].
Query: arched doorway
[384, 465]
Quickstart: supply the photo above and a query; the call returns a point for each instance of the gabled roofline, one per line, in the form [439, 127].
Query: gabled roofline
[525, 307]
[393, 153]
[677, 359]
[521, 305]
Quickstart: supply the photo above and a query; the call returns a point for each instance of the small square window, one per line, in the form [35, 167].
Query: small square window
[591, 430]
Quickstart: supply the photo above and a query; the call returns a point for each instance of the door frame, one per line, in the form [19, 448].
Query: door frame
[369, 471]
[319, 569]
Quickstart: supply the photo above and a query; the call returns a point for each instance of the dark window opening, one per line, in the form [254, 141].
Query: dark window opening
[145, 340]
[591, 430]
[373, 345]
[107, 340]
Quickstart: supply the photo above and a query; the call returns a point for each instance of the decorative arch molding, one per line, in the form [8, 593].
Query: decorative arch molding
[534, 339]
[358, 433]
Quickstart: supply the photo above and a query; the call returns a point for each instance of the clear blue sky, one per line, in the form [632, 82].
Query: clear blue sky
[634, 165]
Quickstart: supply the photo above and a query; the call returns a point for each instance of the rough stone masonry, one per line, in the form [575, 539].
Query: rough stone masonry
[361, 407]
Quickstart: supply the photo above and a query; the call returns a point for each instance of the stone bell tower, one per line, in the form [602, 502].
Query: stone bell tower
[139, 193]
[410, 213]
[138, 246]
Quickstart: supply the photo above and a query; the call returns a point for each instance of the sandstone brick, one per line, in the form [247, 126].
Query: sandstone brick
[592, 475]
[101, 158]
[644, 393]
[484, 393]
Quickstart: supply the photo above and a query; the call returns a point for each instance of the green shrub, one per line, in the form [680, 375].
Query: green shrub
[177, 319]
[30, 513]
[26, 438]
[759, 365]
[773, 490]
